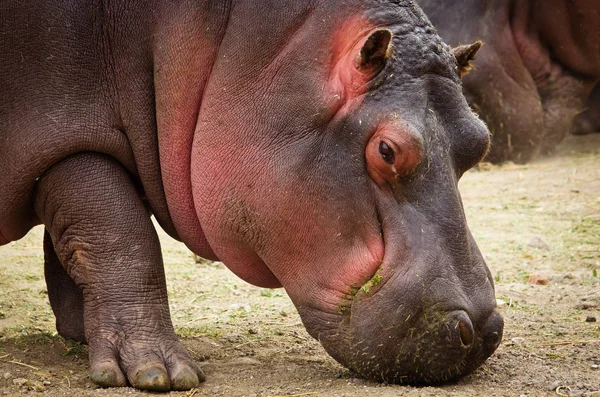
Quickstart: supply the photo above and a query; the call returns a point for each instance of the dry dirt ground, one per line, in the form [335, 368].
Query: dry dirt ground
[542, 218]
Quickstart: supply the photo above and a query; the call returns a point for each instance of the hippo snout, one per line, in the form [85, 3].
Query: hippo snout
[397, 340]
[436, 348]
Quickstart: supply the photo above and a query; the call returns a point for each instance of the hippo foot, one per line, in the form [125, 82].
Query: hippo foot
[155, 363]
[582, 125]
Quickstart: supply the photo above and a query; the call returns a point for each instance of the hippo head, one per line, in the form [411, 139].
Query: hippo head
[326, 160]
[540, 62]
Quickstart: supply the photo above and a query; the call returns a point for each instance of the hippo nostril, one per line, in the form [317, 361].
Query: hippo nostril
[492, 332]
[466, 332]
[493, 339]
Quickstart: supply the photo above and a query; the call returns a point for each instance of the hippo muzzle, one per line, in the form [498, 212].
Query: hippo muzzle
[402, 335]
[407, 343]
[427, 316]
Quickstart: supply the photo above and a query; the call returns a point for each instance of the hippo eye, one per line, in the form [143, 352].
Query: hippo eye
[387, 153]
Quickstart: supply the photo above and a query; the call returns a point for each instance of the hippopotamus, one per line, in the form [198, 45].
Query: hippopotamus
[588, 121]
[538, 65]
[314, 146]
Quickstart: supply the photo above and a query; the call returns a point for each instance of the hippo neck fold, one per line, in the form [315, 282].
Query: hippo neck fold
[186, 40]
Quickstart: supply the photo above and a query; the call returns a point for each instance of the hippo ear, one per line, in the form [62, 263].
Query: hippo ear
[464, 54]
[375, 52]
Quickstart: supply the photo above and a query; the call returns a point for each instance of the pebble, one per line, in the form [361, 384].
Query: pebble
[560, 278]
[538, 242]
[20, 381]
[252, 331]
[37, 386]
[562, 331]
[500, 303]
[554, 385]
[586, 305]
[7, 375]
[356, 381]
[245, 361]
[538, 279]
[590, 319]
[594, 366]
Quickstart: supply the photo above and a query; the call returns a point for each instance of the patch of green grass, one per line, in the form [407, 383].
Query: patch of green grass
[73, 348]
[502, 278]
[240, 313]
[551, 355]
[372, 283]
[193, 332]
[513, 304]
[270, 293]
[586, 227]
[25, 336]
[343, 309]
[523, 275]
[366, 289]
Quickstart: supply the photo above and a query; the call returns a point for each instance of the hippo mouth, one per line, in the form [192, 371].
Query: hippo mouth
[368, 288]
[407, 343]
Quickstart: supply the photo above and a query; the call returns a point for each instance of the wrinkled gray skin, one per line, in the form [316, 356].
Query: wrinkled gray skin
[538, 65]
[311, 145]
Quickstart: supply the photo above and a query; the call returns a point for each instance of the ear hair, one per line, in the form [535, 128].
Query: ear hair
[375, 52]
[464, 54]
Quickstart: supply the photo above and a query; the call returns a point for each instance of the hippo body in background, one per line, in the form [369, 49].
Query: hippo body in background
[539, 63]
[588, 121]
[311, 145]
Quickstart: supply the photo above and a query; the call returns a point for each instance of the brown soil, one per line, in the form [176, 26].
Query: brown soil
[538, 223]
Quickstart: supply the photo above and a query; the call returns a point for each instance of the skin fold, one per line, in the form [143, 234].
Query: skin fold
[314, 146]
[539, 63]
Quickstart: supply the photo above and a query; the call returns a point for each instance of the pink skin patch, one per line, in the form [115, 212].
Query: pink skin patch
[407, 152]
[266, 227]
[175, 160]
[330, 284]
[177, 107]
[218, 205]
[330, 257]
[347, 85]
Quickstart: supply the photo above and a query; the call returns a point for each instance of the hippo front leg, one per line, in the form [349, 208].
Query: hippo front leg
[103, 236]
